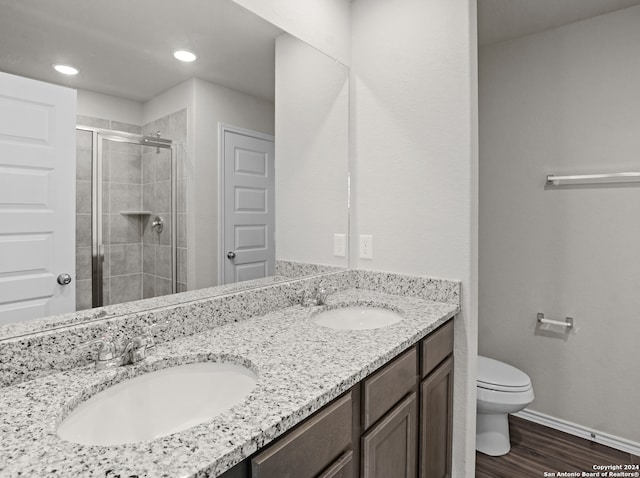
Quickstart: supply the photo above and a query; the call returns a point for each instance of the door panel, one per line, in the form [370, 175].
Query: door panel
[37, 198]
[248, 209]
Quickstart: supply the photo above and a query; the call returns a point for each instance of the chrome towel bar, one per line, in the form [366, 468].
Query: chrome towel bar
[554, 180]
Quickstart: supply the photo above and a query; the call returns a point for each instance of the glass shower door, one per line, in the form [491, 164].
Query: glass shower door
[132, 239]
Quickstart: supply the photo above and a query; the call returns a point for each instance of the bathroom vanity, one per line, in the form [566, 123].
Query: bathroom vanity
[327, 402]
[397, 418]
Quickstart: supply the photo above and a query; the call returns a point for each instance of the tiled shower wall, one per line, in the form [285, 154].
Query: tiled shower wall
[137, 259]
[156, 175]
[122, 235]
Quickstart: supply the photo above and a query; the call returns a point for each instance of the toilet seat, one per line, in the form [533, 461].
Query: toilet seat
[498, 376]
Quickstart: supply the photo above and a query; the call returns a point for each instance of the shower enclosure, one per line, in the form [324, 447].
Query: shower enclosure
[125, 217]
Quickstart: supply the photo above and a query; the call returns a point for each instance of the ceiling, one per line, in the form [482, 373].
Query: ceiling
[501, 20]
[124, 47]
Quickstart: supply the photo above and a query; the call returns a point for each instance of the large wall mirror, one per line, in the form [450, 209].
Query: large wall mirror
[192, 179]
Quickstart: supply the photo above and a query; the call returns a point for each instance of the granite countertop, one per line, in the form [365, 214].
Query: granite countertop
[300, 366]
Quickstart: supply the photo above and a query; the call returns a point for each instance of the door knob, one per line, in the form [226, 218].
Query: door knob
[64, 279]
[231, 255]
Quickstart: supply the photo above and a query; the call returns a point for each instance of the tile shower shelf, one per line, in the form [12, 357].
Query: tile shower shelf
[135, 213]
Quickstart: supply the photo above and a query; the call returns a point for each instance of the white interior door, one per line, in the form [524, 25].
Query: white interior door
[37, 198]
[249, 206]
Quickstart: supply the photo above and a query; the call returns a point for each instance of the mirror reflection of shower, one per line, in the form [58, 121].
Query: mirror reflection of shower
[126, 215]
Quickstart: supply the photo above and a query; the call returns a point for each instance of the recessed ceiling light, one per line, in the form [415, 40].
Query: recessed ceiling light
[185, 55]
[66, 69]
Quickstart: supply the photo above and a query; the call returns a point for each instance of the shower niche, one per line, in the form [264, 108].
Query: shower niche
[126, 217]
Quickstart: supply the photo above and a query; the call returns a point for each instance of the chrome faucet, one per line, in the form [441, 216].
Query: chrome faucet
[112, 354]
[317, 297]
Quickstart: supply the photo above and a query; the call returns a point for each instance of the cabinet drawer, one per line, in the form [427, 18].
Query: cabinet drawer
[386, 387]
[311, 447]
[436, 347]
[342, 468]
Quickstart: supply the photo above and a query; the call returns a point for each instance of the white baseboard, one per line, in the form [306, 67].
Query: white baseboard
[580, 431]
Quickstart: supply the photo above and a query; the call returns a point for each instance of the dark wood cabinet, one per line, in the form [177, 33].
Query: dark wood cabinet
[436, 413]
[395, 423]
[342, 468]
[389, 448]
[311, 447]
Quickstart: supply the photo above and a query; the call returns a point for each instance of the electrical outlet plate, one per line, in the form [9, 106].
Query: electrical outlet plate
[366, 246]
[340, 245]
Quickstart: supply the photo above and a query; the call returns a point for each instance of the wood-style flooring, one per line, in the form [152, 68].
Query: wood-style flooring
[536, 449]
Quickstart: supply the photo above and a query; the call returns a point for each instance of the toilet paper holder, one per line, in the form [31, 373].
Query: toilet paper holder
[568, 321]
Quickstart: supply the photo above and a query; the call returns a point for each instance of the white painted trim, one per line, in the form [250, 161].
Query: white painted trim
[580, 431]
[222, 129]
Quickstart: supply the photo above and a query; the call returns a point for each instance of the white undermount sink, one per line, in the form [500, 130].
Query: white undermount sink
[357, 318]
[158, 403]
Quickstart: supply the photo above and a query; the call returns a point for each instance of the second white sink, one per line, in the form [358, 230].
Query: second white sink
[357, 318]
[158, 403]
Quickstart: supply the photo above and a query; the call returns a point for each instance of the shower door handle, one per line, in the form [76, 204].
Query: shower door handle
[231, 255]
[64, 279]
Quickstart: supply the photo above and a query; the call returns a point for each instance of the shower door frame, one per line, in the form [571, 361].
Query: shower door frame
[97, 243]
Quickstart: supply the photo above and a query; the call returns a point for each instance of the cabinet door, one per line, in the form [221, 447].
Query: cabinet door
[436, 402]
[389, 448]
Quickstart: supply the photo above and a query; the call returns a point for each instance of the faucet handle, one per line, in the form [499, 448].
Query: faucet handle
[322, 294]
[107, 349]
[307, 299]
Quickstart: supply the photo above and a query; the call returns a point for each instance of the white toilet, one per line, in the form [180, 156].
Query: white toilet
[502, 389]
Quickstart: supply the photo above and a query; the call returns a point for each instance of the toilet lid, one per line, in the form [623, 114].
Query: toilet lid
[496, 375]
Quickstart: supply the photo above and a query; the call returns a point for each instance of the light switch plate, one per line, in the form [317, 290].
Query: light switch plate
[340, 245]
[366, 246]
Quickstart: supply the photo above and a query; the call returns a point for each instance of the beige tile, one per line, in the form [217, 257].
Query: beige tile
[178, 125]
[164, 237]
[182, 230]
[83, 164]
[162, 286]
[149, 197]
[148, 167]
[163, 165]
[148, 286]
[125, 288]
[162, 202]
[125, 197]
[125, 259]
[149, 258]
[163, 262]
[83, 120]
[126, 168]
[83, 294]
[181, 265]
[83, 263]
[126, 127]
[83, 197]
[83, 229]
[149, 128]
[124, 229]
[84, 139]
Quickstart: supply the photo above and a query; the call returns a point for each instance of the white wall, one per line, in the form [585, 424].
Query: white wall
[312, 152]
[324, 24]
[207, 105]
[215, 104]
[413, 97]
[564, 101]
[109, 107]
